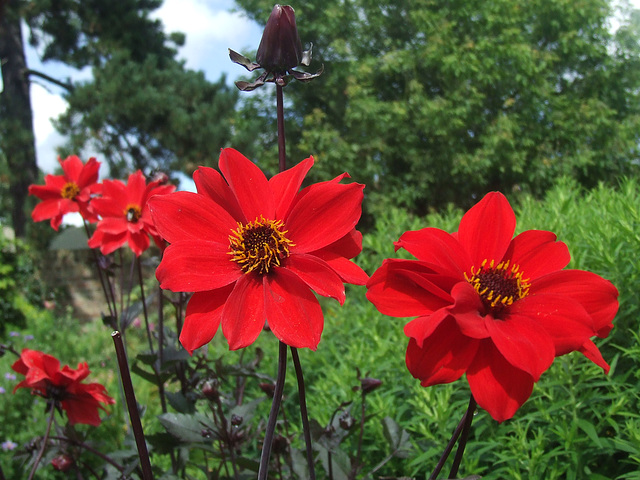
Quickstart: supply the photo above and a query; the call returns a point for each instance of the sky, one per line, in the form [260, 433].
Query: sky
[211, 27]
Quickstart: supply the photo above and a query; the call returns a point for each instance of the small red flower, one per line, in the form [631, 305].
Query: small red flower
[125, 215]
[253, 249]
[63, 388]
[496, 307]
[70, 192]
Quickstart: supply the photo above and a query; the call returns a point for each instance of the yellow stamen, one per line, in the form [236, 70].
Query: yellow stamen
[70, 190]
[498, 285]
[260, 245]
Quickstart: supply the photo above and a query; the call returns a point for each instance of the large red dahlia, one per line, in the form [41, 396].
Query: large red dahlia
[253, 250]
[492, 306]
[67, 193]
[63, 388]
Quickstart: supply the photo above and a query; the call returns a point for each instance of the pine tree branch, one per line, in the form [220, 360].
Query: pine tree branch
[35, 73]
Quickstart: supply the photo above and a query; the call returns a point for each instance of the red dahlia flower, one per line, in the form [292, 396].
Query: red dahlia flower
[70, 192]
[252, 250]
[496, 307]
[125, 215]
[63, 388]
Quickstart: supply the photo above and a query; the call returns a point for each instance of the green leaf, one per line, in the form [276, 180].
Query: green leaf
[187, 428]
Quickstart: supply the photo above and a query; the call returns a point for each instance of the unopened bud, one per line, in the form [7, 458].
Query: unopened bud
[280, 48]
[369, 384]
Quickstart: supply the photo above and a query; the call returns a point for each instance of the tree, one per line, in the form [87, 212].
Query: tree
[434, 102]
[133, 120]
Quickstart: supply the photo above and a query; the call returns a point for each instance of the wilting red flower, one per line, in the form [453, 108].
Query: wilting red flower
[63, 388]
[125, 215]
[252, 250]
[67, 193]
[62, 463]
[496, 307]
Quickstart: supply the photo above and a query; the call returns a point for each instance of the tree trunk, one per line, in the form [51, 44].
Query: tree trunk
[17, 140]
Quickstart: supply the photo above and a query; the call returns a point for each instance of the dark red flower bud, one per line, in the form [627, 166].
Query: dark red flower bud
[369, 384]
[280, 48]
[210, 390]
[268, 388]
[62, 463]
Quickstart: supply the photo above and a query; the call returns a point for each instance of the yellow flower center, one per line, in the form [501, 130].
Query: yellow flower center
[498, 285]
[70, 190]
[133, 212]
[260, 245]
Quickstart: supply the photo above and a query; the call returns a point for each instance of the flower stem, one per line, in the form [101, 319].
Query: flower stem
[44, 443]
[282, 154]
[468, 418]
[303, 412]
[132, 406]
[468, 415]
[263, 472]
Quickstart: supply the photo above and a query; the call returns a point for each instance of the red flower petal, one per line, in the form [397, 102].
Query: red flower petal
[444, 356]
[82, 410]
[293, 312]
[243, 314]
[523, 344]
[186, 216]
[436, 247]
[203, 317]
[403, 288]
[564, 319]
[597, 295]
[497, 386]
[466, 310]
[285, 185]
[487, 228]
[538, 253]
[319, 276]
[422, 327]
[138, 242]
[188, 266]
[248, 183]
[337, 255]
[326, 213]
[209, 182]
[590, 351]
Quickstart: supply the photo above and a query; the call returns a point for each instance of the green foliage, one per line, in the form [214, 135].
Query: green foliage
[436, 102]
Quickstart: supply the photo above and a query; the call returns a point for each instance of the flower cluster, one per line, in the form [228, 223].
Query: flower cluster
[497, 308]
[120, 209]
[63, 388]
[253, 250]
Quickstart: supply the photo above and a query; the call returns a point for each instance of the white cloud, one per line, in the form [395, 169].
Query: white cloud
[210, 31]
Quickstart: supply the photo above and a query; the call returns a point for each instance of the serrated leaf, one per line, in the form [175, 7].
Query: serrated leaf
[186, 428]
[180, 403]
[397, 437]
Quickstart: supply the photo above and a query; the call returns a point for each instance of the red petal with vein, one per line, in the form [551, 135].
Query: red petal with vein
[538, 253]
[82, 410]
[445, 355]
[138, 242]
[113, 225]
[325, 214]
[348, 271]
[590, 351]
[203, 317]
[337, 255]
[196, 267]
[209, 182]
[564, 319]
[243, 315]
[523, 344]
[422, 327]
[293, 311]
[190, 216]
[248, 183]
[319, 276]
[71, 166]
[401, 288]
[466, 310]
[487, 228]
[597, 295]
[285, 186]
[437, 247]
[497, 386]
